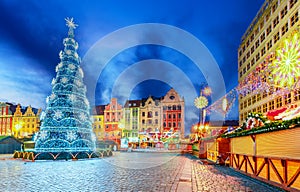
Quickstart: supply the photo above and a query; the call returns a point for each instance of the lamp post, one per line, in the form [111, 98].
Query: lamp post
[18, 128]
[201, 103]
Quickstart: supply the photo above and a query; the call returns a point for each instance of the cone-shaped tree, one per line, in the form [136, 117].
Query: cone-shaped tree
[67, 125]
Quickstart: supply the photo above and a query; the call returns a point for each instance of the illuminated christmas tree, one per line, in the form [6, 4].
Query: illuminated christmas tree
[67, 125]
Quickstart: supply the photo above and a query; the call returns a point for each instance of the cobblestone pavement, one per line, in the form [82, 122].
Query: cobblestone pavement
[137, 172]
[221, 178]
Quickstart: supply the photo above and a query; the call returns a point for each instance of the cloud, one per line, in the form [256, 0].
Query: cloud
[22, 81]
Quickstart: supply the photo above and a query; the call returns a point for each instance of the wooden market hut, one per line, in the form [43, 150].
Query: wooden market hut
[9, 144]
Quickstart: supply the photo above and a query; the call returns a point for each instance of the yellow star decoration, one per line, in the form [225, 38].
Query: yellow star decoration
[285, 69]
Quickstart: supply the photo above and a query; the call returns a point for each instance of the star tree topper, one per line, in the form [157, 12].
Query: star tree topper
[70, 23]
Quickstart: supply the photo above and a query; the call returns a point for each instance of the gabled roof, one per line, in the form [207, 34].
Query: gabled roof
[2, 138]
[98, 110]
[132, 103]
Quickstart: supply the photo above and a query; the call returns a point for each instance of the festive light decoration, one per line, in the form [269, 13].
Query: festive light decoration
[286, 67]
[267, 127]
[278, 74]
[66, 126]
[224, 104]
[201, 102]
[254, 120]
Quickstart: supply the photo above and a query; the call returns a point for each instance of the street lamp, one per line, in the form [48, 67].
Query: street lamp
[201, 102]
[18, 128]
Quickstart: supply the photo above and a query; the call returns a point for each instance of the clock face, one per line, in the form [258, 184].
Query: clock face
[172, 97]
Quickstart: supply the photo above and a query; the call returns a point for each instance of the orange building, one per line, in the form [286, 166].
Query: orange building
[173, 113]
[112, 116]
[6, 115]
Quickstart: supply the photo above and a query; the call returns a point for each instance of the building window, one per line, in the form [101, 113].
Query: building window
[156, 113]
[252, 62]
[275, 22]
[252, 37]
[292, 3]
[241, 106]
[258, 97]
[274, 7]
[294, 19]
[244, 59]
[271, 105]
[174, 116]
[284, 29]
[257, 57]
[244, 70]
[249, 102]
[143, 114]
[297, 95]
[174, 124]
[143, 121]
[256, 31]
[240, 53]
[265, 108]
[252, 49]
[269, 29]
[179, 115]
[263, 51]
[241, 73]
[248, 54]
[169, 124]
[269, 44]
[276, 37]
[262, 24]
[265, 94]
[279, 102]
[262, 37]
[247, 44]
[245, 104]
[248, 66]
[283, 12]
[259, 109]
[254, 99]
[287, 99]
[267, 16]
[257, 44]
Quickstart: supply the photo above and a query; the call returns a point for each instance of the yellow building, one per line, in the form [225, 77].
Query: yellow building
[25, 122]
[131, 119]
[98, 122]
[150, 115]
[276, 21]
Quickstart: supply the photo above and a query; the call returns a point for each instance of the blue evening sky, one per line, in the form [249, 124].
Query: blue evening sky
[31, 34]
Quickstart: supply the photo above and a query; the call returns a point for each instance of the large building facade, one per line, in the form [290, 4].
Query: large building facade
[139, 119]
[113, 114]
[173, 113]
[98, 121]
[17, 121]
[275, 22]
[26, 122]
[6, 115]
[131, 120]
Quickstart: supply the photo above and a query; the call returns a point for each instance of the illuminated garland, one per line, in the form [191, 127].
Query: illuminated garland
[224, 104]
[276, 71]
[267, 127]
[254, 120]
